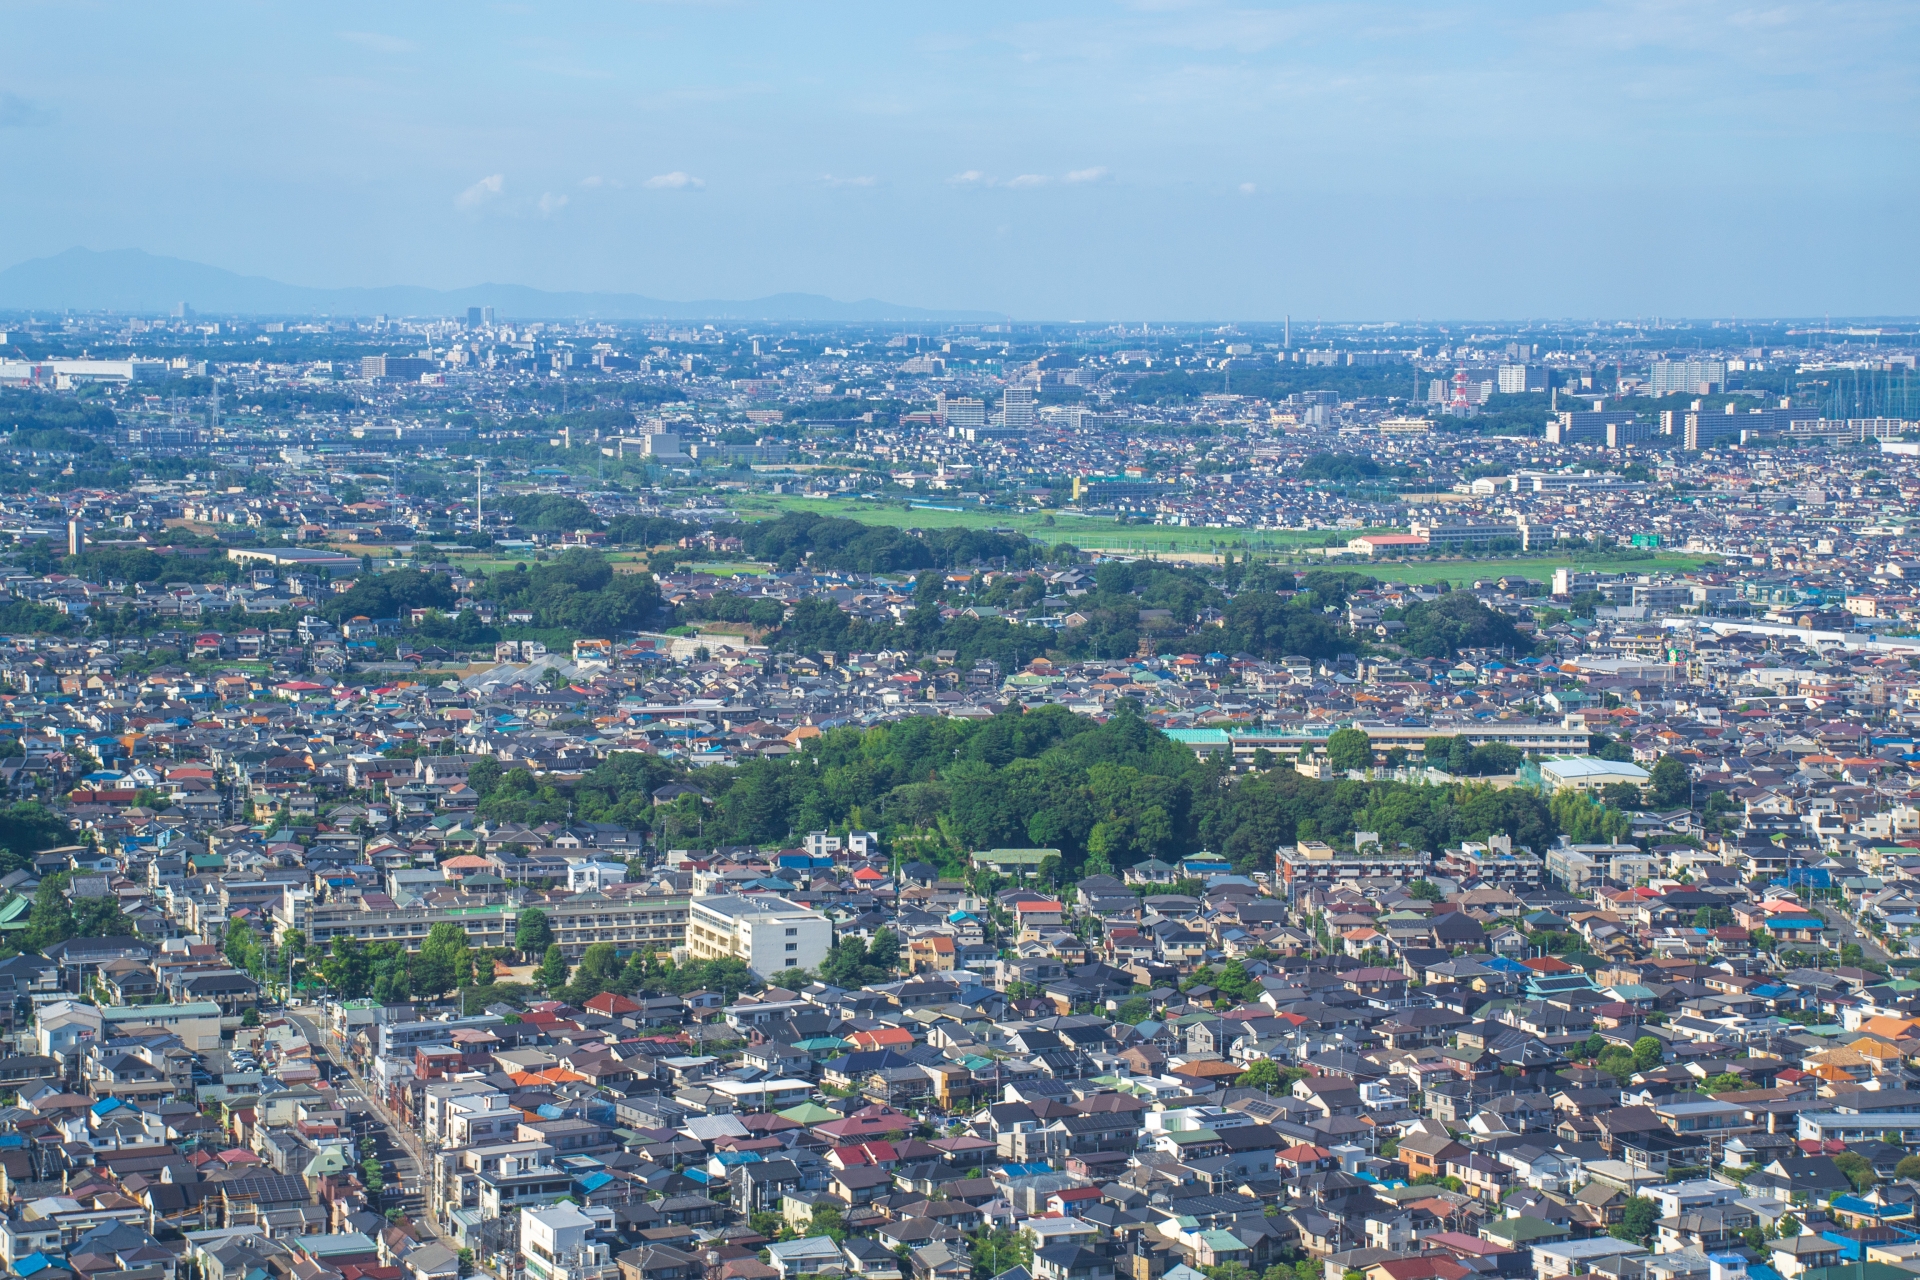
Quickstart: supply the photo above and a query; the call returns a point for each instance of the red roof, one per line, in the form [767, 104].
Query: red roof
[1548, 964]
[1303, 1153]
[1459, 1242]
[1427, 1268]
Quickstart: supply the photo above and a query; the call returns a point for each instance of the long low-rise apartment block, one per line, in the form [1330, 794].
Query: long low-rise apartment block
[630, 923]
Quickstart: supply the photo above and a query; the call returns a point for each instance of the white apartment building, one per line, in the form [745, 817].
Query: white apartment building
[554, 1245]
[768, 933]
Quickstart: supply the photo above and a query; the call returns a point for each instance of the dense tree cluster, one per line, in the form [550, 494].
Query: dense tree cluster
[391, 974]
[576, 591]
[851, 547]
[549, 513]
[1105, 795]
[1441, 628]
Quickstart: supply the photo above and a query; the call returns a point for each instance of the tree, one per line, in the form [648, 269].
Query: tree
[1669, 786]
[1909, 1167]
[444, 962]
[242, 948]
[599, 970]
[534, 933]
[1264, 1074]
[826, 1221]
[1349, 749]
[1426, 891]
[552, 973]
[1646, 1053]
[1858, 1168]
[1636, 1223]
[1725, 1082]
[483, 776]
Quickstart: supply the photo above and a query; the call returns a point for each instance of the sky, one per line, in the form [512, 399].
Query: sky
[1158, 160]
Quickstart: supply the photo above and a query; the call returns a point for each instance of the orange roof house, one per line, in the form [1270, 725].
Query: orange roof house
[882, 1038]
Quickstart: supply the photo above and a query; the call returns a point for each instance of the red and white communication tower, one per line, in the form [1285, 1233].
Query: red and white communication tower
[1459, 406]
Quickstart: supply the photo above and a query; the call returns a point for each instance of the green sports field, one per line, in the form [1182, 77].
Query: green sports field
[1082, 531]
[1538, 568]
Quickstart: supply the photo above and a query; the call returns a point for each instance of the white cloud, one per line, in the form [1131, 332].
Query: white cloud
[971, 178]
[378, 43]
[832, 181]
[595, 181]
[551, 204]
[1029, 180]
[675, 181]
[488, 188]
[1247, 188]
[1087, 175]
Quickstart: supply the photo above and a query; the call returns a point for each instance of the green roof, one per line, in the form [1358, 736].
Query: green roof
[810, 1113]
[1222, 1241]
[1183, 1137]
[1019, 857]
[1524, 1230]
[1199, 737]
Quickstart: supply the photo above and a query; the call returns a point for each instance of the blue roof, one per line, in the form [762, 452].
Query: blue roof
[1026, 1170]
[594, 1181]
[1854, 1204]
[32, 1264]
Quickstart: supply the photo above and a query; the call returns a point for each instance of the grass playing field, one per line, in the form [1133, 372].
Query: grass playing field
[1089, 532]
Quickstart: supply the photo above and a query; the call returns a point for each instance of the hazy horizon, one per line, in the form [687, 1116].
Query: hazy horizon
[1096, 162]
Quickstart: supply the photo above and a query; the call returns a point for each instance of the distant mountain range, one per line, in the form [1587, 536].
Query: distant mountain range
[132, 281]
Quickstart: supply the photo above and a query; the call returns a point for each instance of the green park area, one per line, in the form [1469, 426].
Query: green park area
[1539, 568]
[1088, 532]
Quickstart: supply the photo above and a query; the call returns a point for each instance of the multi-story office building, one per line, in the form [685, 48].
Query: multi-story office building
[768, 933]
[1017, 407]
[1687, 377]
[1518, 379]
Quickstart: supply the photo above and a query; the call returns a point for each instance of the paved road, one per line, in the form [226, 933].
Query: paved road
[1849, 932]
[406, 1189]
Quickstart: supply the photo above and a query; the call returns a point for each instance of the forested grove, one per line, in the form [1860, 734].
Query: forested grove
[1105, 795]
[1266, 617]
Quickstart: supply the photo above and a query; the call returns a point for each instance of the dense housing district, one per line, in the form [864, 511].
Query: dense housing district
[599, 802]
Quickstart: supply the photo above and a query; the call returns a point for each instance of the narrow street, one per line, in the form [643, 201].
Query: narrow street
[1849, 932]
[406, 1189]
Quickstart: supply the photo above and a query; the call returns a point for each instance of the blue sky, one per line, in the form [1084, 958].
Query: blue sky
[1064, 161]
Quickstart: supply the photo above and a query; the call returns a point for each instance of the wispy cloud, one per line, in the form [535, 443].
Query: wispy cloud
[481, 192]
[1247, 188]
[17, 112]
[832, 181]
[1026, 181]
[550, 204]
[675, 181]
[377, 42]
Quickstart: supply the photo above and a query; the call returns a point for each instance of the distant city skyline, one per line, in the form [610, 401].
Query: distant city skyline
[1092, 162]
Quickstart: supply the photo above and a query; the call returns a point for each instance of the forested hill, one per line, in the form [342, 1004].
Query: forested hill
[1107, 795]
